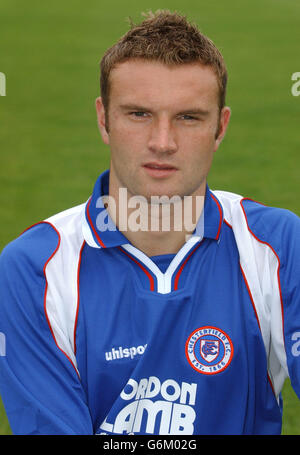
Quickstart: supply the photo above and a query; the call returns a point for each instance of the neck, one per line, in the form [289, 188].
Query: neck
[159, 226]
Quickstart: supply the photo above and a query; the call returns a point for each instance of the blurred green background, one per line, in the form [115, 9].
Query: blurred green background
[50, 148]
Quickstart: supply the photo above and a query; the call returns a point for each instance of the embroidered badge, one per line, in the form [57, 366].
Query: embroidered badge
[209, 350]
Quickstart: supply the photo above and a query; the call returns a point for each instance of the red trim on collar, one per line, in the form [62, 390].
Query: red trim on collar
[221, 215]
[151, 279]
[182, 266]
[91, 224]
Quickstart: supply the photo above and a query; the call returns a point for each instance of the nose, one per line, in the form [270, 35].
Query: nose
[162, 137]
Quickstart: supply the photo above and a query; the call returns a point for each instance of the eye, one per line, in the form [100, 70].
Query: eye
[138, 114]
[188, 117]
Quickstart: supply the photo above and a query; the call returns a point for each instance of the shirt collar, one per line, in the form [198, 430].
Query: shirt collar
[213, 215]
[100, 231]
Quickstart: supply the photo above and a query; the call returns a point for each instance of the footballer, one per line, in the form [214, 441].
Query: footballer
[116, 329]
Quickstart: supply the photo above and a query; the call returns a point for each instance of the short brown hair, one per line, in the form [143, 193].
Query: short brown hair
[168, 38]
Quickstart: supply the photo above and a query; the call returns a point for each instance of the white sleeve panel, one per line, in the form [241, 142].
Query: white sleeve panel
[61, 297]
[260, 265]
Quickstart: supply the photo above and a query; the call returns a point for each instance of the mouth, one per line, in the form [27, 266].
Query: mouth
[159, 170]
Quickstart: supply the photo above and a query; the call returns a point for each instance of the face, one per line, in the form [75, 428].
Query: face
[164, 127]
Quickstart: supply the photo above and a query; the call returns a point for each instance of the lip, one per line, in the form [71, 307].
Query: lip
[159, 170]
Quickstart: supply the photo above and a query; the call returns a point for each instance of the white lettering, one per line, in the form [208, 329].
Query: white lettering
[164, 390]
[182, 419]
[296, 86]
[193, 207]
[296, 346]
[2, 84]
[128, 396]
[140, 214]
[125, 352]
[170, 390]
[161, 212]
[123, 214]
[141, 389]
[140, 350]
[168, 208]
[155, 382]
[2, 345]
[153, 409]
[108, 356]
[125, 418]
[132, 352]
[190, 389]
[119, 445]
[106, 426]
[155, 417]
[103, 220]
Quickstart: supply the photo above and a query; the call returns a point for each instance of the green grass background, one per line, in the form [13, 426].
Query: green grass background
[50, 148]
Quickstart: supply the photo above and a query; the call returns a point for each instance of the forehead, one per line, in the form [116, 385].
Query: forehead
[140, 81]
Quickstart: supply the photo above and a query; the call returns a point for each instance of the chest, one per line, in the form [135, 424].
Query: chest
[173, 347]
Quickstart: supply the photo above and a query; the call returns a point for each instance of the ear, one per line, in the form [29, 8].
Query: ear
[223, 124]
[102, 120]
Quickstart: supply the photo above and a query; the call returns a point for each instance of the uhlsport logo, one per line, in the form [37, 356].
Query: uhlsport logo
[209, 350]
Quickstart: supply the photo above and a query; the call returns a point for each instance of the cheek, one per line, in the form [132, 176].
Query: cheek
[203, 135]
[200, 146]
[123, 154]
[126, 149]
[197, 159]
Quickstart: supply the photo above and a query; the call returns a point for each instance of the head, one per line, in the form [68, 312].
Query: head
[167, 38]
[163, 87]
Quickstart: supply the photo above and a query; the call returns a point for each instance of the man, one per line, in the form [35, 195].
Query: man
[116, 325]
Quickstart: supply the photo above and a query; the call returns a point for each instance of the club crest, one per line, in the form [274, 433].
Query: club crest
[209, 350]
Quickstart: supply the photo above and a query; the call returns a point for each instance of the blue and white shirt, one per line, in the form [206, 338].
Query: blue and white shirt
[98, 338]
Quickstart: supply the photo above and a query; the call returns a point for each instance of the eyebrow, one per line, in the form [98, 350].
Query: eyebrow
[192, 111]
[201, 112]
[134, 107]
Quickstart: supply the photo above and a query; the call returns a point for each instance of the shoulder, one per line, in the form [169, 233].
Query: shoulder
[68, 221]
[32, 248]
[278, 227]
[38, 243]
[266, 221]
